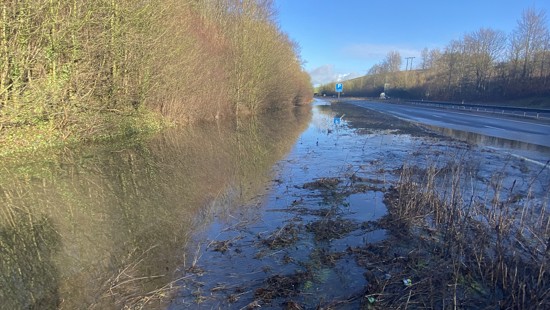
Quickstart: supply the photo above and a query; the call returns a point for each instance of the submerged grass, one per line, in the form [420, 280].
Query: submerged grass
[451, 244]
[461, 249]
[463, 230]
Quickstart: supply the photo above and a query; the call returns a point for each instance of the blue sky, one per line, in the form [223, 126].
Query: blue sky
[347, 37]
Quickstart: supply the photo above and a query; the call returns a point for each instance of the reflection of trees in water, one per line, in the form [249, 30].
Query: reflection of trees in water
[124, 213]
[326, 121]
[480, 139]
[28, 275]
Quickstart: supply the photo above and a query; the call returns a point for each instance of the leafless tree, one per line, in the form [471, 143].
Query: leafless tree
[429, 57]
[483, 49]
[527, 41]
[393, 61]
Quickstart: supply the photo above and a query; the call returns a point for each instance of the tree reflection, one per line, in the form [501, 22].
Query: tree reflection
[29, 277]
[107, 226]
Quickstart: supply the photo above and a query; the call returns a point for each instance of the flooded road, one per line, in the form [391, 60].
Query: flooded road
[107, 226]
[521, 130]
[296, 211]
[323, 236]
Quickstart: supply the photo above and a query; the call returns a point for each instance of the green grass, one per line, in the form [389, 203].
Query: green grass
[29, 139]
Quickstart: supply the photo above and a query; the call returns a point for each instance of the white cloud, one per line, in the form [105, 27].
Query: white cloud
[347, 76]
[327, 73]
[322, 75]
[377, 52]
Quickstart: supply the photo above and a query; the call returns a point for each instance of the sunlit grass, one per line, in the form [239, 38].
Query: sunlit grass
[89, 128]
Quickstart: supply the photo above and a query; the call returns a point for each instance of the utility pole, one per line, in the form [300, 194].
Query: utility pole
[408, 69]
[407, 66]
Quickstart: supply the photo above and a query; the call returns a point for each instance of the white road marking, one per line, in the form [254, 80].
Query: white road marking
[495, 118]
[492, 127]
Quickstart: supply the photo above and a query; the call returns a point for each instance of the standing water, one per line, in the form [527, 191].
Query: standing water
[322, 237]
[106, 226]
[264, 214]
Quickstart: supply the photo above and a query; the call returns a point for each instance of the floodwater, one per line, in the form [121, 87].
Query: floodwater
[269, 213]
[294, 247]
[106, 226]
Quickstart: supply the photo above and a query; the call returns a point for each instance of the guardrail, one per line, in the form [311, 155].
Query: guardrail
[516, 111]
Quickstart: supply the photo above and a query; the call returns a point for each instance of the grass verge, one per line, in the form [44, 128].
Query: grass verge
[459, 248]
[29, 139]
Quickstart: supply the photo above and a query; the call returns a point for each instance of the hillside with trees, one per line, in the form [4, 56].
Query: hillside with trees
[483, 65]
[77, 70]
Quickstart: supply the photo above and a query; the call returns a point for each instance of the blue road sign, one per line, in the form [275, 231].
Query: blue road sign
[339, 87]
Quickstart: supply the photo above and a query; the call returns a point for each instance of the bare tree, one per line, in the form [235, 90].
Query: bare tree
[450, 63]
[376, 69]
[393, 61]
[425, 59]
[528, 40]
[545, 61]
[483, 48]
[428, 58]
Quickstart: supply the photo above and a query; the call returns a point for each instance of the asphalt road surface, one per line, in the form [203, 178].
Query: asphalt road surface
[493, 125]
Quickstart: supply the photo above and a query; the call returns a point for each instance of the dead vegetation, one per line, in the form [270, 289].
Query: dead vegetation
[282, 286]
[329, 229]
[445, 248]
[459, 251]
[323, 183]
[285, 236]
[129, 288]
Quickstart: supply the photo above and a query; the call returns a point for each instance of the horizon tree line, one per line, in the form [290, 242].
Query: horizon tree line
[485, 64]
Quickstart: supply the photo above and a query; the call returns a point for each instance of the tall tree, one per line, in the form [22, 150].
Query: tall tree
[425, 59]
[483, 48]
[428, 58]
[393, 61]
[528, 40]
[450, 64]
